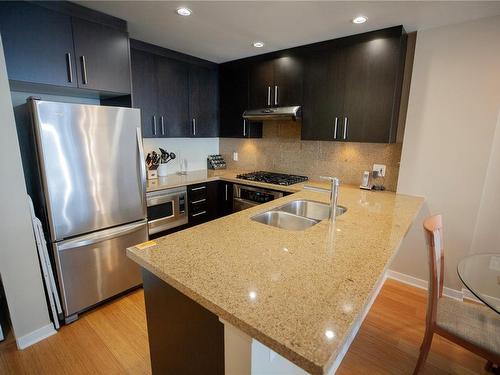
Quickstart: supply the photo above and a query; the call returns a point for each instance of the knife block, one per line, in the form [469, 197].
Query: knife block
[152, 174]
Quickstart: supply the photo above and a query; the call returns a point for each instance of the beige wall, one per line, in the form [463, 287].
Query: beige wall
[281, 150]
[451, 145]
[19, 267]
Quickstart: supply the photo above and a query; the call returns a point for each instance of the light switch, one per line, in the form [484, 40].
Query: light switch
[235, 156]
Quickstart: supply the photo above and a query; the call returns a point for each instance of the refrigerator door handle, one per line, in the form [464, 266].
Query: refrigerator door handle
[142, 165]
[106, 234]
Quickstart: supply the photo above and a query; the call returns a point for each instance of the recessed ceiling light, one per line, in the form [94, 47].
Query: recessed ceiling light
[183, 11]
[360, 19]
[258, 44]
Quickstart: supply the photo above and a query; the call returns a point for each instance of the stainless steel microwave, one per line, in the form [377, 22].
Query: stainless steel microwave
[167, 209]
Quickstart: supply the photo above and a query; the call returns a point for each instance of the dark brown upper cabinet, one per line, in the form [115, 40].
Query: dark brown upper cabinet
[373, 76]
[177, 97]
[203, 101]
[145, 92]
[276, 82]
[46, 44]
[38, 44]
[102, 55]
[352, 89]
[323, 101]
[234, 100]
[288, 81]
[173, 98]
[261, 84]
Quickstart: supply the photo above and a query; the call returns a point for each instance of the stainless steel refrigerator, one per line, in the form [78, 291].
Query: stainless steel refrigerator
[92, 175]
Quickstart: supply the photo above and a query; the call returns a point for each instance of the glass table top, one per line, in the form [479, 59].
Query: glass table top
[481, 275]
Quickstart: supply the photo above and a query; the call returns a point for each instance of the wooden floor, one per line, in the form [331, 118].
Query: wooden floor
[112, 339]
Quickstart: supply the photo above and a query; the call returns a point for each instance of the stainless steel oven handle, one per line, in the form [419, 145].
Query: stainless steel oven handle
[93, 238]
[238, 188]
[251, 203]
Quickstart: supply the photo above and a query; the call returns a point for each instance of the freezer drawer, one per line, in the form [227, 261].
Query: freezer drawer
[94, 267]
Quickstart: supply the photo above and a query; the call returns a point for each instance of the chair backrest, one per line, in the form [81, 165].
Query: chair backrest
[434, 228]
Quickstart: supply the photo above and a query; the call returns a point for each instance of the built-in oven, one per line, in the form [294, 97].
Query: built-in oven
[167, 209]
[248, 196]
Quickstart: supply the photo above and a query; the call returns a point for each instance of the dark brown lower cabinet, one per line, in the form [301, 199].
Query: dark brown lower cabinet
[184, 337]
[202, 202]
[224, 198]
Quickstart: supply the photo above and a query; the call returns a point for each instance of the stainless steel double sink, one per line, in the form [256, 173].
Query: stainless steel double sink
[297, 215]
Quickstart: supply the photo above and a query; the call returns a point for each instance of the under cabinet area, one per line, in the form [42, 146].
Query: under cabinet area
[199, 202]
[177, 94]
[58, 48]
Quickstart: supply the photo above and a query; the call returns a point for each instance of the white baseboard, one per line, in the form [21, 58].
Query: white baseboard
[33, 337]
[423, 284]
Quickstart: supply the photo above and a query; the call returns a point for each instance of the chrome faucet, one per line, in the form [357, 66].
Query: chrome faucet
[334, 195]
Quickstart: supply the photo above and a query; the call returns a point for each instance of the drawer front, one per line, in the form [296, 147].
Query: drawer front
[197, 192]
[95, 267]
[198, 208]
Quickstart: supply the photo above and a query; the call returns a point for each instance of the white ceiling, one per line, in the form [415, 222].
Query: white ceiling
[225, 30]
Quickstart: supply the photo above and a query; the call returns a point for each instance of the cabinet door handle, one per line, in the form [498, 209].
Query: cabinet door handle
[84, 70]
[268, 96]
[199, 201]
[154, 124]
[226, 192]
[275, 95]
[70, 70]
[244, 128]
[199, 213]
[162, 124]
[198, 188]
[335, 128]
[345, 127]
[194, 126]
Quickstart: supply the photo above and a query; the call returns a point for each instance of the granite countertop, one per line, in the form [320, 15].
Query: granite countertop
[300, 293]
[201, 176]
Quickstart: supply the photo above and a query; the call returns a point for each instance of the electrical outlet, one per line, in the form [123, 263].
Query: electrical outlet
[235, 156]
[380, 168]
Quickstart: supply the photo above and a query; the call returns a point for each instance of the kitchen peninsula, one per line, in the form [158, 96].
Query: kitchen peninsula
[222, 292]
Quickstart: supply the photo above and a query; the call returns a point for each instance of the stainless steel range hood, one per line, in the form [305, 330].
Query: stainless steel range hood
[279, 113]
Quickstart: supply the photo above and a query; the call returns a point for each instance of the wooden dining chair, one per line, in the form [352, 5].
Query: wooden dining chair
[472, 326]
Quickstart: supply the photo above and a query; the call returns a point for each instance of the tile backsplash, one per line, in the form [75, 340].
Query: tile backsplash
[282, 150]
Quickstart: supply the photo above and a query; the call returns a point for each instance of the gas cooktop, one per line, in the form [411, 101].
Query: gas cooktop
[272, 178]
